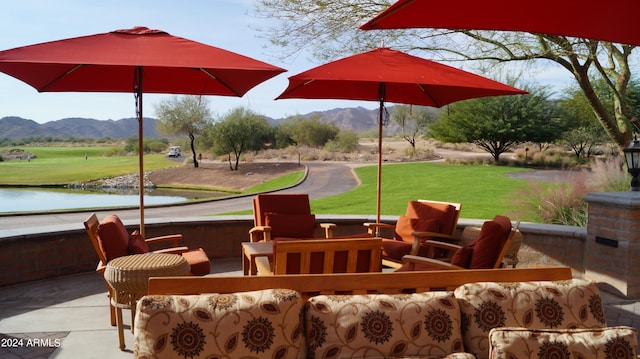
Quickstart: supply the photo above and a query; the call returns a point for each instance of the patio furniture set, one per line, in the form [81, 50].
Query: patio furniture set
[285, 267]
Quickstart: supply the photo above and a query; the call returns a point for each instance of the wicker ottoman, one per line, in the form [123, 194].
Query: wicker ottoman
[128, 278]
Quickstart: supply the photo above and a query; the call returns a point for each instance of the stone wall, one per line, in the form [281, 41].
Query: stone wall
[39, 255]
[612, 249]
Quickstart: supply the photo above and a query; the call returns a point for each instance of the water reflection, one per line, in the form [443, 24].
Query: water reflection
[45, 199]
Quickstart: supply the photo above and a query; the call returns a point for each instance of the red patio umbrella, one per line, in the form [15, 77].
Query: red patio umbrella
[611, 21]
[387, 75]
[135, 60]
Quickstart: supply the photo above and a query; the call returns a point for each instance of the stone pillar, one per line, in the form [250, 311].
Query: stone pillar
[612, 252]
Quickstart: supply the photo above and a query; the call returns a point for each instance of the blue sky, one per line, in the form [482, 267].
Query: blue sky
[221, 23]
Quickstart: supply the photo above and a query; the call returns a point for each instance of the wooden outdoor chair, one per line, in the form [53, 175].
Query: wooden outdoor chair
[485, 252]
[111, 240]
[284, 216]
[353, 255]
[423, 220]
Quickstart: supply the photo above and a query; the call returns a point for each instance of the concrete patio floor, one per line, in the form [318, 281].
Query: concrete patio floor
[68, 317]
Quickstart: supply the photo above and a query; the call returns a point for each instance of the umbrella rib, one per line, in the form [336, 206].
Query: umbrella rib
[220, 81]
[45, 87]
[428, 95]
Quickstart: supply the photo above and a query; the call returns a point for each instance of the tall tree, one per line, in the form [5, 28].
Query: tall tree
[238, 131]
[329, 29]
[583, 131]
[497, 123]
[413, 121]
[184, 115]
[307, 131]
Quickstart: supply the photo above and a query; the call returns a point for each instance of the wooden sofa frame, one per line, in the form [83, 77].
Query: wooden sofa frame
[353, 283]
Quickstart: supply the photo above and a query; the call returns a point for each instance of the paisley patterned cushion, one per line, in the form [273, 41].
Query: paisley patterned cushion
[605, 343]
[370, 326]
[259, 324]
[568, 304]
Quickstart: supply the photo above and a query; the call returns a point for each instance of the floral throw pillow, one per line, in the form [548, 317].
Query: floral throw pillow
[601, 343]
[258, 324]
[382, 326]
[566, 304]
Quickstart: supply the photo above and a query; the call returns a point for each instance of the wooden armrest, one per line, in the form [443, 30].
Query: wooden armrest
[379, 225]
[374, 228]
[421, 235]
[264, 230]
[421, 240]
[260, 229]
[175, 238]
[413, 260]
[174, 250]
[443, 245]
[328, 229]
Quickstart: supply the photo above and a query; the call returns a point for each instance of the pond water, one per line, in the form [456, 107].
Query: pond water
[47, 199]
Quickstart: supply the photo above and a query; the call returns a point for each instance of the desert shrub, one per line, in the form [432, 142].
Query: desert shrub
[115, 152]
[563, 203]
[609, 174]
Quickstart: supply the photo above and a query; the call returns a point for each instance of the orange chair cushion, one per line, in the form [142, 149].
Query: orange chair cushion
[113, 237]
[444, 213]
[279, 203]
[406, 225]
[462, 257]
[401, 246]
[198, 260]
[137, 244]
[291, 225]
[488, 245]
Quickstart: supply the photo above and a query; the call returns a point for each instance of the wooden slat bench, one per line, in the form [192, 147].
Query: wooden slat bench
[353, 283]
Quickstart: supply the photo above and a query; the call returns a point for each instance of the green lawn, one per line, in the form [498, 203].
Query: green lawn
[280, 182]
[63, 165]
[484, 191]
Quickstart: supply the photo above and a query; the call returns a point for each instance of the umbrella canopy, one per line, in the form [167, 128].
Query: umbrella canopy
[408, 79]
[135, 60]
[387, 75]
[586, 18]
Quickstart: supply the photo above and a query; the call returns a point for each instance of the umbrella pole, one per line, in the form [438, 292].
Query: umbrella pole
[381, 94]
[378, 188]
[140, 146]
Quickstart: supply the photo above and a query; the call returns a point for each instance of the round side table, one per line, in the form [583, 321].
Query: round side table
[128, 277]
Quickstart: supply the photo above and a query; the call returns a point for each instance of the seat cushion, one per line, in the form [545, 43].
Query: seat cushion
[297, 203]
[383, 326]
[198, 260]
[612, 342]
[488, 245]
[574, 303]
[137, 244]
[256, 324]
[444, 213]
[393, 249]
[405, 226]
[462, 256]
[291, 225]
[113, 237]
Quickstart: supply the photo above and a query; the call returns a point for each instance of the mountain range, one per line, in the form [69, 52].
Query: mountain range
[357, 119]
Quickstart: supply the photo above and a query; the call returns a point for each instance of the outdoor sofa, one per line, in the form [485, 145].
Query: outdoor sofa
[497, 313]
